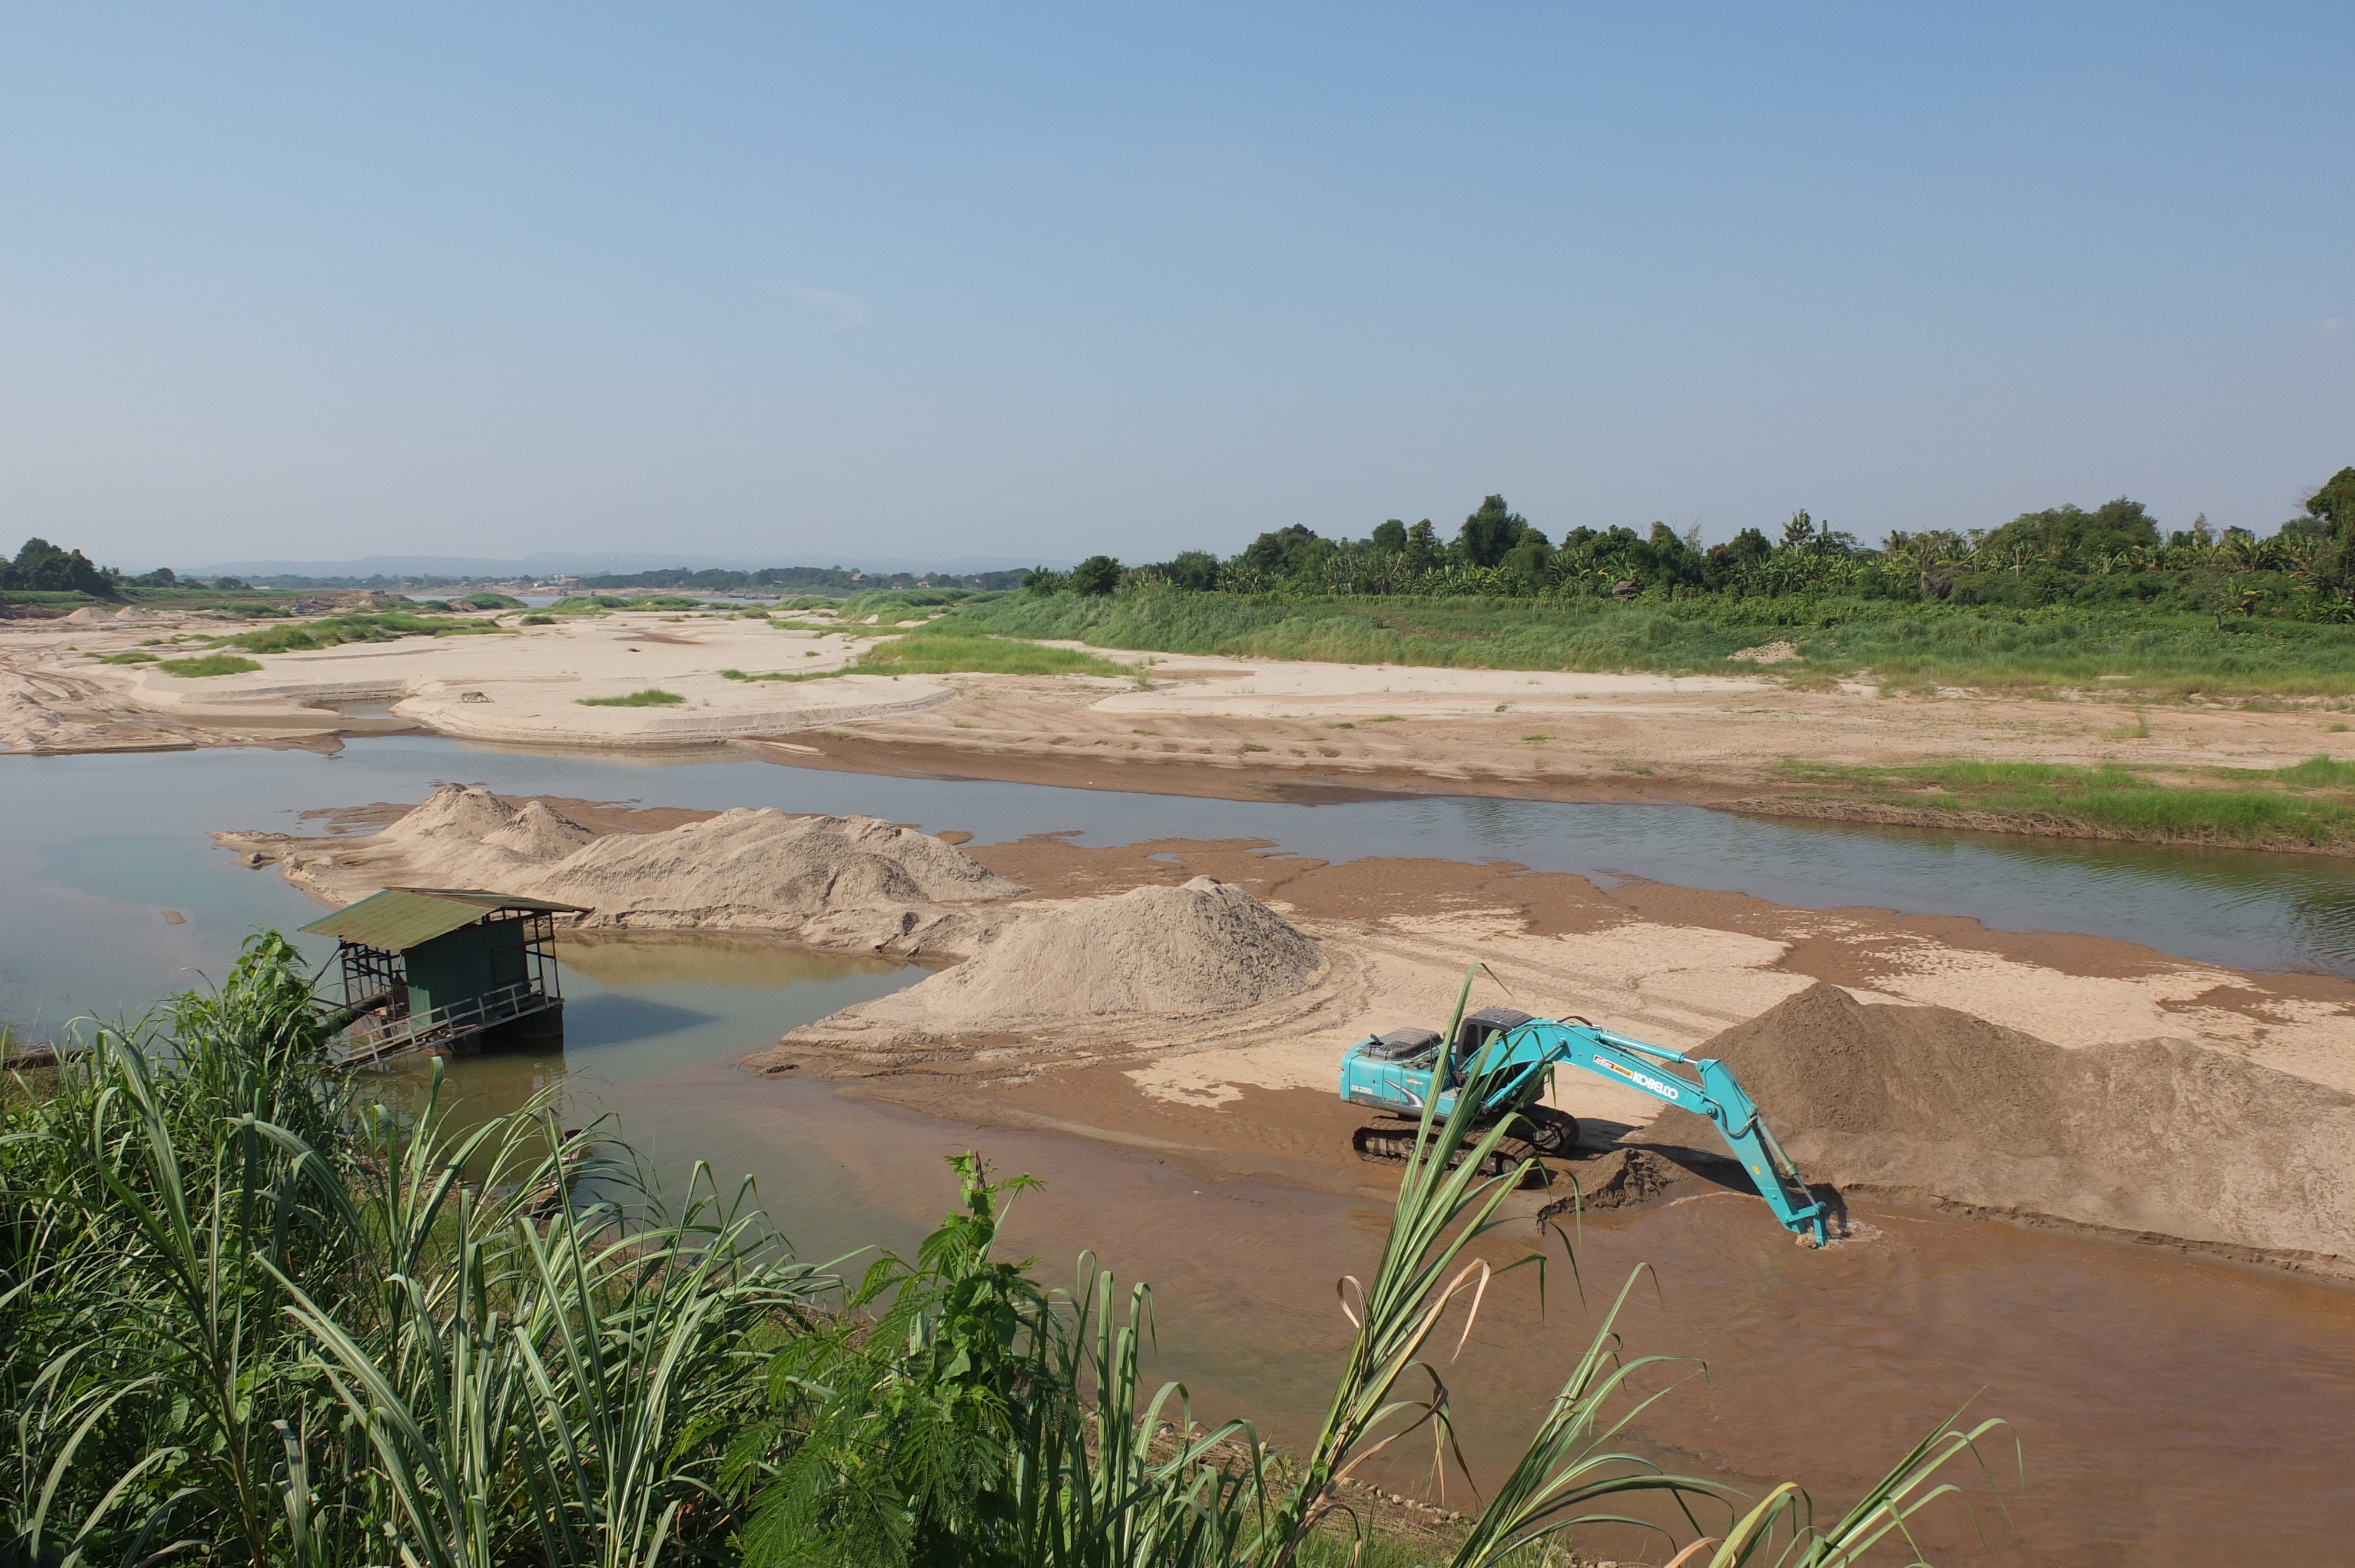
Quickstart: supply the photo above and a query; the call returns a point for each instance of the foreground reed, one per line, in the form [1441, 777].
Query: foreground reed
[246, 1317]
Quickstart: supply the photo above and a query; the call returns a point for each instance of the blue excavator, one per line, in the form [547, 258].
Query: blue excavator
[1513, 1055]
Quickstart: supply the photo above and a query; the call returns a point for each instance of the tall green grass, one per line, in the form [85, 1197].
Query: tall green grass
[248, 1317]
[2261, 809]
[1917, 644]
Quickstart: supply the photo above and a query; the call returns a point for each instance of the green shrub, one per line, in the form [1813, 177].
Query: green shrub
[538, 619]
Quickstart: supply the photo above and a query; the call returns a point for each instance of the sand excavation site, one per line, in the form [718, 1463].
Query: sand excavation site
[1193, 997]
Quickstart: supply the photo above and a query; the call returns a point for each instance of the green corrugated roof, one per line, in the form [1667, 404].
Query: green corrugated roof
[402, 917]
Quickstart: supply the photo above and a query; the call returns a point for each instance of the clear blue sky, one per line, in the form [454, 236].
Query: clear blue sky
[792, 283]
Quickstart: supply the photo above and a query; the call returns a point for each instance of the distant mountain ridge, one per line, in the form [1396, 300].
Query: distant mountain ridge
[587, 563]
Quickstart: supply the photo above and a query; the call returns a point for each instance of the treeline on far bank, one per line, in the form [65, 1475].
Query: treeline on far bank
[2114, 557]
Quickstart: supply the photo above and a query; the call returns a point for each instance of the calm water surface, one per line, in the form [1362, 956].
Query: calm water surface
[2174, 1412]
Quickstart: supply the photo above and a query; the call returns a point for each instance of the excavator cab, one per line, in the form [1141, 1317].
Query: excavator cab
[1473, 1035]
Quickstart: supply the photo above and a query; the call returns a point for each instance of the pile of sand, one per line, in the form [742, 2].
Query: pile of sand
[1204, 946]
[1091, 971]
[2158, 1137]
[830, 881]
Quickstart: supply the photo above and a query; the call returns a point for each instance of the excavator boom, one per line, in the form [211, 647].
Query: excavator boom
[1513, 1052]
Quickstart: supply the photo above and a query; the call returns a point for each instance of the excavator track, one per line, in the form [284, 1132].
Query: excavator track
[1392, 1142]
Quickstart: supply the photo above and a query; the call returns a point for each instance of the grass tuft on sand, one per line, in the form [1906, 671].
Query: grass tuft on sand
[953, 647]
[207, 664]
[782, 674]
[652, 697]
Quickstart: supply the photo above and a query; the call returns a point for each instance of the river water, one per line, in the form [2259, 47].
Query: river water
[2172, 1412]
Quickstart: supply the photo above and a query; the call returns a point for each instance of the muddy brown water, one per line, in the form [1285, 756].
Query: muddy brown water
[2172, 1410]
[2169, 1412]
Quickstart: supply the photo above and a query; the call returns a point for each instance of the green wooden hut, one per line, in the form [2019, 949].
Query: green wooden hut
[452, 970]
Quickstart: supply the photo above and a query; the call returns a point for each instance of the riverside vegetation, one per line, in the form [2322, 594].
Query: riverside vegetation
[248, 1316]
[2058, 598]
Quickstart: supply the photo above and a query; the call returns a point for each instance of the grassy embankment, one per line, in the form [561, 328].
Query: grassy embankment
[255, 1316]
[2310, 806]
[1906, 647]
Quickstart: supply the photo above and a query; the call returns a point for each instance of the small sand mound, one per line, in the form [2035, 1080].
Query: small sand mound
[1775, 652]
[89, 614]
[453, 813]
[2153, 1136]
[1086, 973]
[539, 833]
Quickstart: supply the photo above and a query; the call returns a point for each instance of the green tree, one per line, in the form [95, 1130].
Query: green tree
[1528, 565]
[2334, 502]
[1390, 538]
[1423, 548]
[1490, 534]
[1811, 536]
[42, 567]
[1197, 571]
[2073, 536]
[1283, 552]
[2329, 521]
[1097, 574]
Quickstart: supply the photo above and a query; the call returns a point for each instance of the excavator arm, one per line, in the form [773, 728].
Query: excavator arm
[1510, 1055]
[1717, 1095]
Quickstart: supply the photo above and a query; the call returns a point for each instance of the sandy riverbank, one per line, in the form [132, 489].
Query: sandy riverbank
[1185, 725]
[1167, 1028]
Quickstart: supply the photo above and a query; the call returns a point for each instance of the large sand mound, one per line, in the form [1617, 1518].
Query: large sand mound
[2157, 1137]
[1205, 947]
[832, 880]
[1117, 970]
